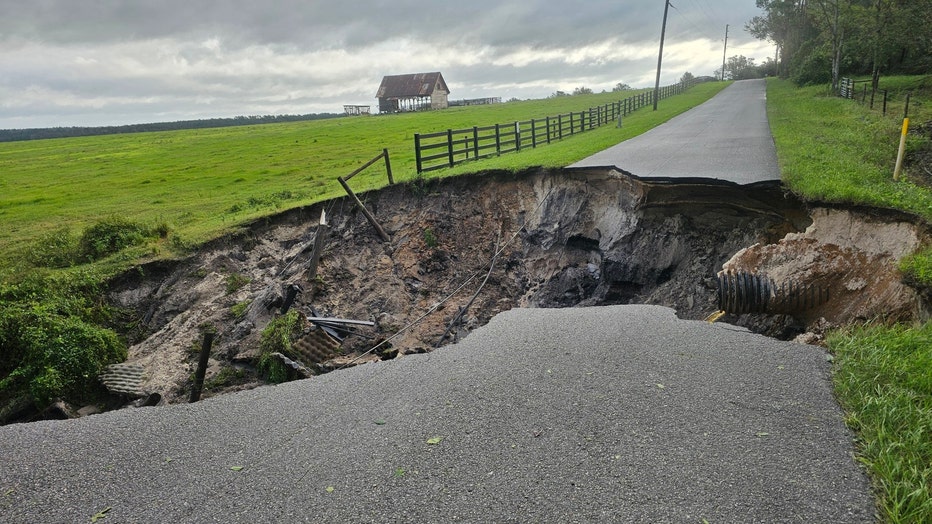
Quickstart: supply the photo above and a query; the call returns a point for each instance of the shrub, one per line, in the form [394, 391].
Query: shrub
[917, 269]
[277, 338]
[430, 240]
[110, 236]
[235, 281]
[54, 344]
[56, 249]
[240, 308]
[49, 355]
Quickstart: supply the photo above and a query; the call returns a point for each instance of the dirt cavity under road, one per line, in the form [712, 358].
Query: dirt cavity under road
[563, 238]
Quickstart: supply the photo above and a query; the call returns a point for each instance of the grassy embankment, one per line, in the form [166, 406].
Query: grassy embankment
[839, 151]
[76, 211]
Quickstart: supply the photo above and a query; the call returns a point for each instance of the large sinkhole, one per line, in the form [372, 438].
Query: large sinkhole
[462, 249]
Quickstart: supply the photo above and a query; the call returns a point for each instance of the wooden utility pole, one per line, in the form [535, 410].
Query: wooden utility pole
[663, 32]
[725, 52]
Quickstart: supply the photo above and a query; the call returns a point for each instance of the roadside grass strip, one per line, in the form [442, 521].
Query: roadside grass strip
[883, 380]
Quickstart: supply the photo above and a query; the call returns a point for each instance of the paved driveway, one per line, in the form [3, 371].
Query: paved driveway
[727, 138]
[613, 414]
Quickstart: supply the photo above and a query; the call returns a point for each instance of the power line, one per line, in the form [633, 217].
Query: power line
[702, 31]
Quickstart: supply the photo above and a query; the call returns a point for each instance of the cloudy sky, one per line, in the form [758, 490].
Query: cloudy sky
[111, 62]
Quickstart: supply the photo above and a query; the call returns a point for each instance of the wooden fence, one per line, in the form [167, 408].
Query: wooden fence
[847, 88]
[455, 146]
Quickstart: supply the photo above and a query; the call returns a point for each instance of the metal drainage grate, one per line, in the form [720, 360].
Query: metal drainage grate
[125, 379]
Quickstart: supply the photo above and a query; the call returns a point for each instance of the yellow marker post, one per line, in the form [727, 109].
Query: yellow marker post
[902, 152]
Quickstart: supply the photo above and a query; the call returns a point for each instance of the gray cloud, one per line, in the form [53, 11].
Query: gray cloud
[101, 62]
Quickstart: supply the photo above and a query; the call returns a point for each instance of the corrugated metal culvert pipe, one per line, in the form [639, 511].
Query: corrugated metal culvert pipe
[742, 292]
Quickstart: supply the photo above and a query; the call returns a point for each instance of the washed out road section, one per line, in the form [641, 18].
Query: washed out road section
[612, 414]
[726, 138]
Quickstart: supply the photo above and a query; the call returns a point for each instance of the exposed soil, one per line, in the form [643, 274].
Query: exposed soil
[564, 238]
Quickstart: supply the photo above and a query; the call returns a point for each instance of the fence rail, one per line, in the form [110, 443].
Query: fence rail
[454, 146]
[847, 88]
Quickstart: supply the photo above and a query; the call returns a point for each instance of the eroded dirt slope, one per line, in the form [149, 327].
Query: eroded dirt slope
[563, 238]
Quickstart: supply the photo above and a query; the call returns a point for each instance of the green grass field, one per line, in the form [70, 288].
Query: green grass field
[200, 183]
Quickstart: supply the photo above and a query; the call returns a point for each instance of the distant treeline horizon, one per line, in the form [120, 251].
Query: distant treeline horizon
[39, 133]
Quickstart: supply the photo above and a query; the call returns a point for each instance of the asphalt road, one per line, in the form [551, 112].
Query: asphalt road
[612, 414]
[727, 138]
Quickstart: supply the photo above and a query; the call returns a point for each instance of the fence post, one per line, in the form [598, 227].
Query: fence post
[533, 134]
[318, 247]
[885, 93]
[388, 167]
[475, 142]
[450, 146]
[498, 140]
[902, 150]
[560, 126]
[548, 129]
[572, 124]
[517, 136]
[202, 366]
[417, 152]
[375, 225]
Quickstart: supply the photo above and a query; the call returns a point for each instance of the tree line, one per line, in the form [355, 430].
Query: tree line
[619, 87]
[819, 41]
[13, 135]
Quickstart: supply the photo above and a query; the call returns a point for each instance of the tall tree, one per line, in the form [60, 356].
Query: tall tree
[784, 23]
[818, 40]
[832, 16]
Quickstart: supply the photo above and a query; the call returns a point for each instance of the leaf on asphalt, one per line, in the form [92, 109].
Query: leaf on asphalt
[661, 386]
[102, 514]
[379, 422]
[329, 489]
[762, 434]
[434, 440]
[237, 468]
[399, 472]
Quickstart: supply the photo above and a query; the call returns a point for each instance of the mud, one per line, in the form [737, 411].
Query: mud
[541, 238]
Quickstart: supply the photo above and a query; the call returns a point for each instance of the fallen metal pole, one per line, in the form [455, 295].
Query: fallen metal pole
[327, 320]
